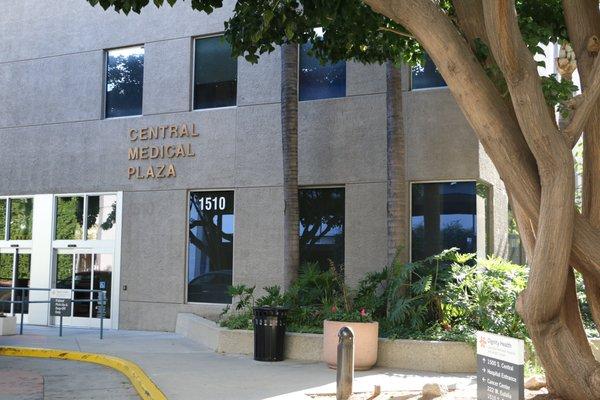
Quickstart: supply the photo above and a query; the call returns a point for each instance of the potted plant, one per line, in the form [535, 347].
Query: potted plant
[366, 333]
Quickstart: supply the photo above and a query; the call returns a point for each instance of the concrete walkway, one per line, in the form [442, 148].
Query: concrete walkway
[186, 370]
[36, 379]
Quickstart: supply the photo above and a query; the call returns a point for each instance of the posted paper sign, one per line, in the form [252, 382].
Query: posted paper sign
[60, 302]
[500, 362]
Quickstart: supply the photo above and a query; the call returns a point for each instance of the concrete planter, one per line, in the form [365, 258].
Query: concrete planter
[8, 326]
[366, 336]
[415, 355]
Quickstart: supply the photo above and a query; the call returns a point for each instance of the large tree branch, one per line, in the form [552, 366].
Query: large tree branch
[554, 159]
[587, 104]
[520, 71]
[582, 18]
[491, 119]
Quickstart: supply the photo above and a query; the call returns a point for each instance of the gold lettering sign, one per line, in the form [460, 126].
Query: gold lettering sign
[146, 146]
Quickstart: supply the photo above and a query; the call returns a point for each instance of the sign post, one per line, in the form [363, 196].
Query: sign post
[500, 362]
[60, 305]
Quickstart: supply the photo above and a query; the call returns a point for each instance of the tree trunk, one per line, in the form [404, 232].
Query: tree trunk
[535, 162]
[583, 22]
[289, 136]
[397, 187]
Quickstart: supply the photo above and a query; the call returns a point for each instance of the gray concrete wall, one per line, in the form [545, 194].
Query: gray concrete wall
[53, 140]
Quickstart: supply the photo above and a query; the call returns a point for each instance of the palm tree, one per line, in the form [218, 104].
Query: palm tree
[289, 136]
[397, 187]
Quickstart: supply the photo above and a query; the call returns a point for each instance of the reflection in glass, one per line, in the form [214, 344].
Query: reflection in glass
[124, 81]
[322, 226]
[2, 219]
[102, 217]
[443, 216]
[69, 218]
[215, 74]
[318, 81]
[82, 280]
[21, 219]
[426, 75]
[22, 275]
[64, 271]
[210, 255]
[103, 265]
[6, 277]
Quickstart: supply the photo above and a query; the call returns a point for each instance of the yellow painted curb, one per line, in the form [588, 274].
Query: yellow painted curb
[144, 386]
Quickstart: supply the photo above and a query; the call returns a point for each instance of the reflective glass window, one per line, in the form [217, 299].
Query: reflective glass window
[318, 81]
[444, 215]
[6, 276]
[82, 280]
[215, 74]
[103, 267]
[69, 218]
[21, 219]
[426, 75]
[102, 217]
[124, 81]
[64, 271]
[210, 248]
[322, 226]
[2, 219]
[22, 274]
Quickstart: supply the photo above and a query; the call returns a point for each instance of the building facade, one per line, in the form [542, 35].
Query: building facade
[138, 157]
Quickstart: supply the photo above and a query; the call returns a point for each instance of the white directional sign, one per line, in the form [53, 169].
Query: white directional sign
[500, 362]
[60, 294]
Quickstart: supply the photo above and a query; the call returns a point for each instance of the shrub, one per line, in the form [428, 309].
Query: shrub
[448, 296]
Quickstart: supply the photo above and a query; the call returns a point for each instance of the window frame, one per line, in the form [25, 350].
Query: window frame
[186, 268]
[84, 242]
[193, 81]
[488, 226]
[105, 80]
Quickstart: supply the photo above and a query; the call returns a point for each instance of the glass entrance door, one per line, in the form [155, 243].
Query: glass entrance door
[84, 271]
[15, 269]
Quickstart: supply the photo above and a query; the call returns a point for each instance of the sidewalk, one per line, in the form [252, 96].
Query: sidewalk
[186, 370]
[36, 379]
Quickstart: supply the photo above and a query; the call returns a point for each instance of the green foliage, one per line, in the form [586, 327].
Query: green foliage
[558, 92]
[314, 291]
[273, 297]
[241, 320]
[243, 299]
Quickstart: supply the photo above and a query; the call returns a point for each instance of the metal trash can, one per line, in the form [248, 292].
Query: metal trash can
[269, 333]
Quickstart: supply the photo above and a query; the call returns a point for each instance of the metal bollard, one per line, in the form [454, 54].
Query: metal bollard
[345, 363]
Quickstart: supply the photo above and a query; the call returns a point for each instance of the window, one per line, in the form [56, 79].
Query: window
[444, 215]
[426, 75]
[215, 74]
[101, 212]
[318, 81]
[16, 218]
[3, 219]
[322, 226]
[124, 81]
[210, 247]
[16, 222]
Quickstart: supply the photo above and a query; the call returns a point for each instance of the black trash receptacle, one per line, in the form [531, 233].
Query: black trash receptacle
[269, 333]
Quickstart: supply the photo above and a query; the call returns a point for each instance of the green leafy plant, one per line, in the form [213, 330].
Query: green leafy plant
[272, 298]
